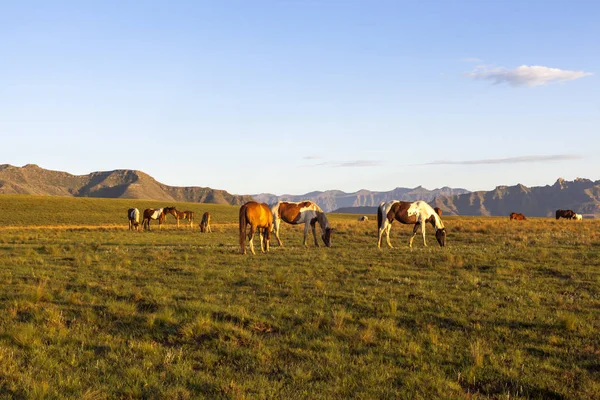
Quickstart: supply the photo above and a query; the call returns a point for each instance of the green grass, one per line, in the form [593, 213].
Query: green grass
[90, 310]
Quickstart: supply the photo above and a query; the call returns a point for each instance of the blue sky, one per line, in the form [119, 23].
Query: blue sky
[296, 96]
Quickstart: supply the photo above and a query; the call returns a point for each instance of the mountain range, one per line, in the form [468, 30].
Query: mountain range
[121, 183]
[580, 195]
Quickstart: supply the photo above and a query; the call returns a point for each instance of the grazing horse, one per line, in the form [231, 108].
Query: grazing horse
[417, 213]
[150, 213]
[517, 216]
[189, 215]
[258, 216]
[363, 218]
[133, 215]
[438, 211]
[567, 214]
[305, 212]
[578, 217]
[205, 224]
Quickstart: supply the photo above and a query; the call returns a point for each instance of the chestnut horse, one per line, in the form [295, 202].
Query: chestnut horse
[417, 213]
[133, 215]
[567, 214]
[150, 213]
[305, 212]
[205, 223]
[258, 216]
[189, 215]
[517, 216]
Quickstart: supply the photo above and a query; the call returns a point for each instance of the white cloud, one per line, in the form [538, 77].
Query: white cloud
[312, 157]
[471, 60]
[525, 75]
[355, 163]
[509, 160]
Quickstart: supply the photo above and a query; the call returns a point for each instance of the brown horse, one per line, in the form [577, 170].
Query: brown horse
[438, 211]
[517, 216]
[417, 213]
[189, 215]
[205, 223]
[258, 216]
[150, 213]
[133, 215]
[305, 212]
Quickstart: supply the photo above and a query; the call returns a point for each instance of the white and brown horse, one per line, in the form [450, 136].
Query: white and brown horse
[189, 215]
[305, 212]
[150, 213]
[205, 223]
[417, 213]
[133, 215]
[258, 216]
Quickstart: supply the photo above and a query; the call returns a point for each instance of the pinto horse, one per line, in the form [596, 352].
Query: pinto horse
[258, 216]
[205, 223]
[150, 213]
[567, 214]
[189, 215]
[517, 216]
[133, 215]
[305, 212]
[417, 213]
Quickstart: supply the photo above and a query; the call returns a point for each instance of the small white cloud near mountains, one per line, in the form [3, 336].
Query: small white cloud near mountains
[509, 160]
[525, 75]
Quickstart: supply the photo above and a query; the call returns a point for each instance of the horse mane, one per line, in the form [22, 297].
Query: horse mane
[438, 221]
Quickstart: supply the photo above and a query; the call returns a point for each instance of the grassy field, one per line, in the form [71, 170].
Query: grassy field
[92, 311]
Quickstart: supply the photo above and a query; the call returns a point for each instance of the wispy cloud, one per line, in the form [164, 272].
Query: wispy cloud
[312, 157]
[348, 164]
[525, 75]
[509, 160]
[471, 60]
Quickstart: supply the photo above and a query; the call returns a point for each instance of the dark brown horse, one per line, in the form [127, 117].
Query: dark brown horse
[438, 211]
[150, 213]
[258, 216]
[417, 213]
[567, 214]
[205, 223]
[517, 216]
[189, 215]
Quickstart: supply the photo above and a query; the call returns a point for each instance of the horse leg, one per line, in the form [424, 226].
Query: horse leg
[276, 226]
[313, 225]
[306, 226]
[267, 239]
[387, 235]
[262, 239]
[423, 232]
[251, 237]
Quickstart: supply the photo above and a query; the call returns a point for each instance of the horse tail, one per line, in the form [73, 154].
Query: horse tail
[379, 216]
[243, 223]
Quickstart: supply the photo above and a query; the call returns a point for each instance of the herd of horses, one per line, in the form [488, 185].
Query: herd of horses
[266, 219]
[160, 215]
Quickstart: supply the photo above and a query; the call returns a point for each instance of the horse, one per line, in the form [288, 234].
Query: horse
[363, 218]
[517, 216]
[133, 215]
[567, 214]
[304, 212]
[258, 216]
[578, 217]
[150, 213]
[205, 223]
[417, 213]
[438, 211]
[189, 215]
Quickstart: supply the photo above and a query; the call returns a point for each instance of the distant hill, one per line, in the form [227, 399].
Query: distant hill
[356, 210]
[580, 195]
[125, 184]
[335, 199]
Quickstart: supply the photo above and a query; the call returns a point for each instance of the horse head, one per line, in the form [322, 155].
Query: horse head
[327, 236]
[440, 235]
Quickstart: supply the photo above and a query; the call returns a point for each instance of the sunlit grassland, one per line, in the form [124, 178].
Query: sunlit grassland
[90, 310]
